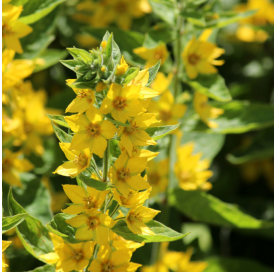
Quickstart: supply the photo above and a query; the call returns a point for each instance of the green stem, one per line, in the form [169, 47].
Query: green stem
[106, 162]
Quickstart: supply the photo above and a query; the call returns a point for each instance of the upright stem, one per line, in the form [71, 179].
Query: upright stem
[106, 162]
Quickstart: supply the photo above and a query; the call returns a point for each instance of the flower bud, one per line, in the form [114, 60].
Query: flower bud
[122, 67]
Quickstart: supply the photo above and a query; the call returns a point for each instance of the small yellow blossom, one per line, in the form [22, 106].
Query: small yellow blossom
[125, 174]
[122, 102]
[93, 225]
[205, 111]
[13, 30]
[169, 112]
[161, 82]
[152, 55]
[135, 133]
[85, 98]
[5, 244]
[157, 176]
[91, 131]
[101, 86]
[103, 44]
[78, 161]
[121, 68]
[117, 261]
[137, 217]
[200, 55]
[12, 165]
[133, 199]
[192, 174]
[84, 200]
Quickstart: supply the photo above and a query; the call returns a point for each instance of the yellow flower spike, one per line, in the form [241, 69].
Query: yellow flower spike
[86, 200]
[161, 82]
[91, 131]
[78, 161]
[125, 174]
[137, 217]
[13, 30]
[121, 68]
[139, 153]
[205, 111]
[199, 56]
[85, 98]
[135, 133]
[116, 261]
[142, 79]
[157, 176]
[152, 55]
[133, 199]
[192, 174]
[121, 102]
[169, 112]
[5, 244]
[93, 225]
[12, 166]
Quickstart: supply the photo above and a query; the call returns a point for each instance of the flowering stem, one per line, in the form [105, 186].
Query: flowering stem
[106, 162]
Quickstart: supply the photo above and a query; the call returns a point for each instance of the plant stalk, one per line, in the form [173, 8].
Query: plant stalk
[106, 162]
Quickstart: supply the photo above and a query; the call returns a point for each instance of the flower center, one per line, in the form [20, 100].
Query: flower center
[92, 222]
[77, 255]
[81, 160]
[107, 267]
[93, 130]
[89, 202]
[193, 59]
[133, 217]
[7, 165]
[119, 103]
[185, 176]
[158, 54]
[28, 128]
[130, 130]
[121, 7]
[165, 115]
[6, 30]
[123, 174]
[153, 178]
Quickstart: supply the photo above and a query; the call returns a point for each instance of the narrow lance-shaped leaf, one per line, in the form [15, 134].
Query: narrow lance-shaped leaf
[153, 72]
[12, 221]
[97, 184]
[59, 119]
[62, 136]
[159, 132]
[131, 74]
[45, 268]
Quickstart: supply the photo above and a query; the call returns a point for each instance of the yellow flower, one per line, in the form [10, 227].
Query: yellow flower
[122, 102]
[91, 131]
[137, 217]
[199, 56]
[5, 244]
[14, 70]
[169, 112]
[121, 68]
[93, 225]
[78, 161]
[135, 133]
[205, 111]
[85, 199]
[13, 30]
[117, 261]
[142, 79]
[152, 55]
[100, 86]
[133, 199]
[157, 176]
[85, 98]
[12, 166]
[161, 82]
[190, 171]
[125, 174]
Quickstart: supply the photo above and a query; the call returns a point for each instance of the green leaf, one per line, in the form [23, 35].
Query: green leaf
[222, 264]
[238, 117]
[33, 235]
[194, 17]
[71, 64]
[12, 221]
[45, 268]
[61, 135]
[213, 86]
[153, 72]
[34, 10]
[19, 2]
[164, 9]
[131, 74]
[81, 55]
[203, 207]
[159, 132]
[162, 233]
[109, 47]
[59, 119]
[96, 184]
[261, 147]
[49, 58]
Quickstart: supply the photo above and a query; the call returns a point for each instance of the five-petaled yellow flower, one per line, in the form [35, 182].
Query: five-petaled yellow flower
[91, 131]
[122, 102]
[117, 261]
[152, 55]
[84, 200]
[78, 161]
[137, 217]
[93, 225]
[200, 56]
[125, 174]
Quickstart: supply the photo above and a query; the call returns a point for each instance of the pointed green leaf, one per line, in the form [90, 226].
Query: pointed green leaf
[162, 233]
[62, 136]
[165, 9]
[131, 74]
[194, 17]
[59, 119]
[109, 47]
[153, 72]
[96, 184]
[45, 268]
[159, 132]
[12, 221]
[203, 207]
[81, 55]
[71, 64]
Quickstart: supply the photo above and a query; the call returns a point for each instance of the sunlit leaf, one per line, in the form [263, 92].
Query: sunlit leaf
[10, 222]
[159, 132]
